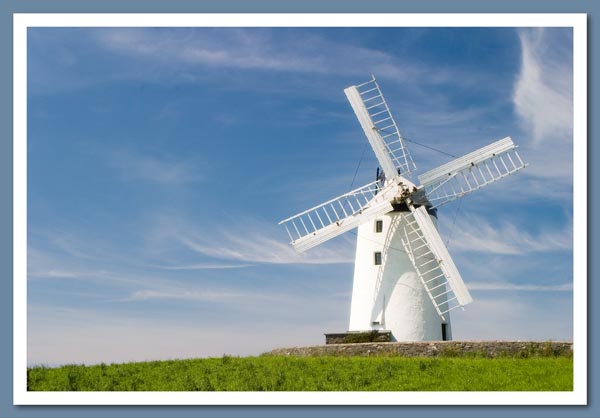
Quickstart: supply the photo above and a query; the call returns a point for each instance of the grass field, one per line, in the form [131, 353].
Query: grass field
[279, 373]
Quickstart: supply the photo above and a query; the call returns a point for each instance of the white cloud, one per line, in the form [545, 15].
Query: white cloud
[105, 277]
[162, 170]
[565, 287]
[194, 295]
[95, 339]
[259, 248]
[475, 234]
[543, 100]
[59, 274]
[66, 336]
[107, 272]
[204, 266]
[58, 335]
[251, 241]
[257, 49]
[519, 316]
[274, 50]
[543, 92]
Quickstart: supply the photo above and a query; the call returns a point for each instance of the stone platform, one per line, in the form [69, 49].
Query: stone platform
[353, 337]
[433, 349]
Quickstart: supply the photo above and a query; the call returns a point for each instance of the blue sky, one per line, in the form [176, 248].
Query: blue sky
[161, 160]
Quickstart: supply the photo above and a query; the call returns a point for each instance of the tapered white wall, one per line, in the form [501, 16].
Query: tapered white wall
[390, 296]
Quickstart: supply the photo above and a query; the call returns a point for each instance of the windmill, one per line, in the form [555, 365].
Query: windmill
[404, 278]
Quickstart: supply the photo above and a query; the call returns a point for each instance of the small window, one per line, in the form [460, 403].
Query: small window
[378, 258]
[378, 225]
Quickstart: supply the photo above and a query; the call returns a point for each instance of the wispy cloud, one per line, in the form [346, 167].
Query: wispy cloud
[543, 93]
[476, 234]
[195, 295]
[297, 51]
[115, 271]
[256, 49]
[204, 266]
[565, 287]
[543, 100]
[60, 274]
[82, 336]
[106, 277]
[198, 55]
[162, 170]
[256, 246]
[510, 317]
[233, 241]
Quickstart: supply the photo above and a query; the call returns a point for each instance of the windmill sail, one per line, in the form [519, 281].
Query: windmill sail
[468, 173]
[336, 216]
[433, 263]
[381, 130]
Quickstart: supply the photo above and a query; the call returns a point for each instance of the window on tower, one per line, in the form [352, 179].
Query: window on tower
[378, 225]
[378, 258]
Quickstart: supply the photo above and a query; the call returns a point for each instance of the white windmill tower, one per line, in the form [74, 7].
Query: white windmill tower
[404, 278]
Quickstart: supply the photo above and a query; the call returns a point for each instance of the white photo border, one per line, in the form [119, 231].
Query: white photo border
[21, 22]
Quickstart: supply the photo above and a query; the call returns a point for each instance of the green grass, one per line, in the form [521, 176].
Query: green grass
[279, 373]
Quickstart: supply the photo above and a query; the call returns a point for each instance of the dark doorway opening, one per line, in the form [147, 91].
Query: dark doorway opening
[444, 332]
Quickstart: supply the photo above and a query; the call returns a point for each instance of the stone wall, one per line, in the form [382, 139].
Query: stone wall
[359, 337]
[434, 348]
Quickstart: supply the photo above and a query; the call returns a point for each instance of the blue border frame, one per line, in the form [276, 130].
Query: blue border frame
[8, 7]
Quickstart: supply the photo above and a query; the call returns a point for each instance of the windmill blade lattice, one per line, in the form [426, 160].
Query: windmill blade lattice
[433, 264]
[468, 173]
[336, 216]
[381, 130]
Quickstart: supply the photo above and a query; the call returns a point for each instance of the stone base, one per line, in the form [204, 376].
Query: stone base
[435, 348]
[353, 337]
